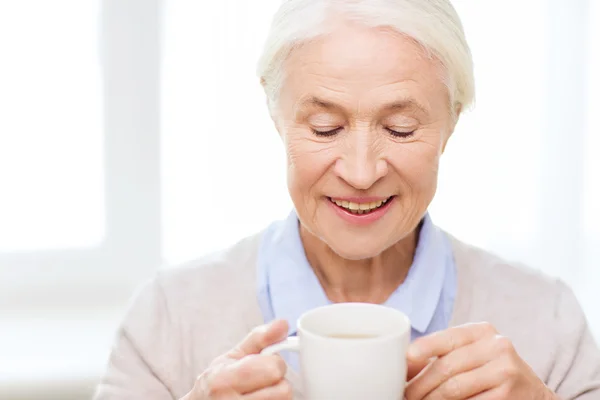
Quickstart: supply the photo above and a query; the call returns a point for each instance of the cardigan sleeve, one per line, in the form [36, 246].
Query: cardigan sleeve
[576, 371]
[141, 361]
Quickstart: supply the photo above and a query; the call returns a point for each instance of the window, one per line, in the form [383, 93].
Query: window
[592, 168]
[79, 151]
[223, 168]
[591, 224]
[51, 141]
[80, 182]
[489, 182]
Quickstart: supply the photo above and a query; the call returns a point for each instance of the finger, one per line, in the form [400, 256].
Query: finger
[499, 392]
[281, 391]
[205, 387]
[416, 367]
[228, 394]
[461, 360]
[260, 337]
[468, 384]
[441, 343]
[249, 374]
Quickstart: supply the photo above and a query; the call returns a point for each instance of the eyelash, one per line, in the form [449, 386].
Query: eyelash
[327, 133]
[392, 132]
[402, 135]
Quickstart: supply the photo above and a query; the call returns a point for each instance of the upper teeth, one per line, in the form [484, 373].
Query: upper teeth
[360, 206]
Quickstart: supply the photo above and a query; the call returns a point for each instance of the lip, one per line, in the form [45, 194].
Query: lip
[361, 219]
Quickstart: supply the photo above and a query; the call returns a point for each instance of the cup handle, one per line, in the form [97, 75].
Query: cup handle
[292, 343]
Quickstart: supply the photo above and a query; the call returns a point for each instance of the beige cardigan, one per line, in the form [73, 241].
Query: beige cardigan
[186, 317]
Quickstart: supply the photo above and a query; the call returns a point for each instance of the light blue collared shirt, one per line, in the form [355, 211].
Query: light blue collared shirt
[288, 286]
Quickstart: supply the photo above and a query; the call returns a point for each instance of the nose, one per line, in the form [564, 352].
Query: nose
[361, 163]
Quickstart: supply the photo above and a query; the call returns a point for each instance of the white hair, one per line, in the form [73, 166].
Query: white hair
[434, 24]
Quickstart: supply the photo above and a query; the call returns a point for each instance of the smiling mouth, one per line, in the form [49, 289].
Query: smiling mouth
[360, 208]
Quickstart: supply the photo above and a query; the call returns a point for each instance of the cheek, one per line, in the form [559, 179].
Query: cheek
[307, 160]
[418, 164]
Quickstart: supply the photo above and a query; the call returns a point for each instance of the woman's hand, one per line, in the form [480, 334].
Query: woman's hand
[470, 362]
[242, 373]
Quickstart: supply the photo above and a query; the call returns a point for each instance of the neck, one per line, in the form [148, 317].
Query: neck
[370, 280]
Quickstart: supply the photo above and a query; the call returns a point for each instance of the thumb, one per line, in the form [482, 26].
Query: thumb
[260, 338]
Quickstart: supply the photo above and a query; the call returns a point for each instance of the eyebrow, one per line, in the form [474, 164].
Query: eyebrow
[319, 103]
[407, 104]
[400, 105]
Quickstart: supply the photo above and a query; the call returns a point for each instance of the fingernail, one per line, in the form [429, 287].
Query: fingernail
[262, 329]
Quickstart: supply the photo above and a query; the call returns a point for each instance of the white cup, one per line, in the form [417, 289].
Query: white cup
[351, 351]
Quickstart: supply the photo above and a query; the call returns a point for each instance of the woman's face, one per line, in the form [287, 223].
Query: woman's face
[364, 116]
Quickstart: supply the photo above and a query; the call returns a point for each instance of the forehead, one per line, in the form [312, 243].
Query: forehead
[375, 65]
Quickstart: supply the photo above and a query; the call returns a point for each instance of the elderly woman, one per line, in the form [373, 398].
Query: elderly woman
[365, 95]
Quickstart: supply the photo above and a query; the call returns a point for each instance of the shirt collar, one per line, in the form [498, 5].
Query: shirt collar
[293, 287]
[419, 295]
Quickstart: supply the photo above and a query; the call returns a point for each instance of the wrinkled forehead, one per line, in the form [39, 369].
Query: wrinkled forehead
[363, 67]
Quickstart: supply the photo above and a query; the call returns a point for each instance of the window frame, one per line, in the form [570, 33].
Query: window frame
[130, 54]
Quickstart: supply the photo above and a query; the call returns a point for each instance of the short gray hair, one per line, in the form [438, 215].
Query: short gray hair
[434, 24]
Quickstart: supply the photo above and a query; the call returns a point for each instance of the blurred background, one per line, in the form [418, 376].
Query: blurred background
[114, 117]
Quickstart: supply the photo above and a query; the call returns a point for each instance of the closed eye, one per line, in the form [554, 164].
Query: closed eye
[328, 133]
[332, 132]
[399, 134]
